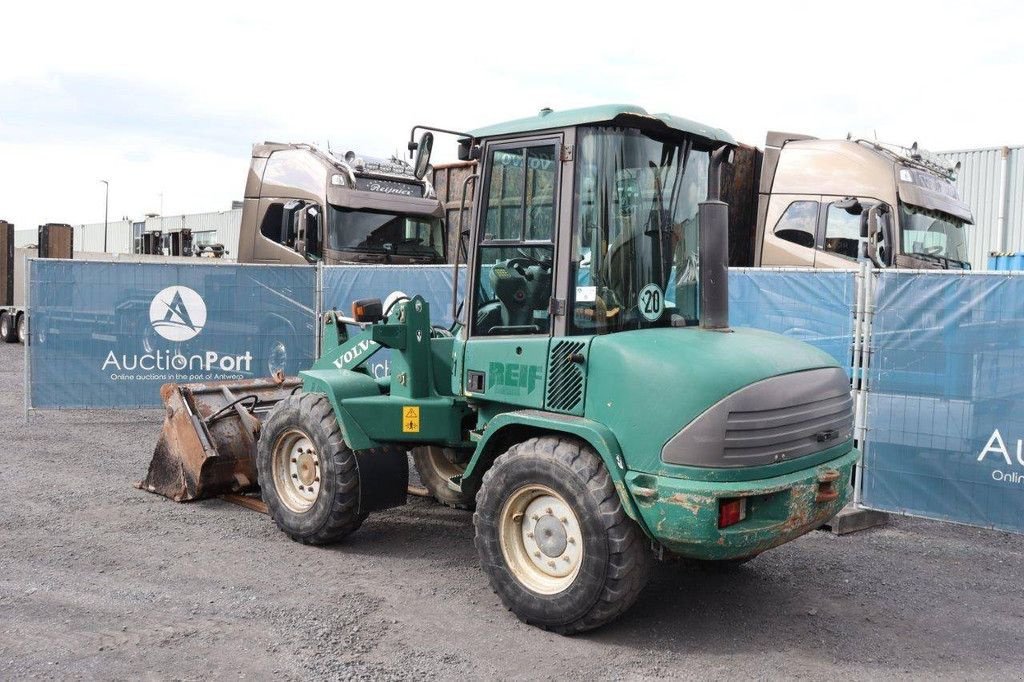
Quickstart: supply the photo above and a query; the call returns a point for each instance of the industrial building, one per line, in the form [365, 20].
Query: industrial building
[991, 180]
[125, 236]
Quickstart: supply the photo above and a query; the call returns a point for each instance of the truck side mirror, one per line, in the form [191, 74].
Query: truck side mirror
[873, 223]
[423, 149]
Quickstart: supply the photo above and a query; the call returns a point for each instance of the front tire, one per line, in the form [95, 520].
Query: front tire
[308, 476]
[436, 466]
[553, 538]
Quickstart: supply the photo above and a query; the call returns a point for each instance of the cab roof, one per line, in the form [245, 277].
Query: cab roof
[623, 114]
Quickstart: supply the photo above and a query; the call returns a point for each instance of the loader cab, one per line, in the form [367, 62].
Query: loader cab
[585, 224]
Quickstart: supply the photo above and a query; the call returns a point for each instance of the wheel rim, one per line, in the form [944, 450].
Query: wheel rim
[440, 460]
[541, 539]
[296, 465]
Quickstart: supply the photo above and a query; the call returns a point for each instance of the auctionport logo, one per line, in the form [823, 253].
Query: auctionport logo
[177, 313]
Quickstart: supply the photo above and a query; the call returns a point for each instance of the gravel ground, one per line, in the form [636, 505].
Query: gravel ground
[100, 580]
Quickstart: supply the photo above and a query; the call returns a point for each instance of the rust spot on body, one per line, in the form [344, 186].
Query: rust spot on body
[687, 502]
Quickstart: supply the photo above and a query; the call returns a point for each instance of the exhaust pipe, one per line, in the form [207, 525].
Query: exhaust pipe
[713, 247]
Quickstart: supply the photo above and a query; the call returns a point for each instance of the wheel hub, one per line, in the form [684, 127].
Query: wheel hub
[541, 539]
[551, 536]
[296, 471]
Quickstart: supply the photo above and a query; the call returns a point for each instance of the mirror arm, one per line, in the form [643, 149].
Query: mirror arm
[414, 145]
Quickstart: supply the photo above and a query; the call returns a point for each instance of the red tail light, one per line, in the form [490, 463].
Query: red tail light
[732, 511]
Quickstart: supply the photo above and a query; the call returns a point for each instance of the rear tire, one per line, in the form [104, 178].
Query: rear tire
[23, 329]
[553, 538]
[307, 474]
[7, 330]
[436, 466]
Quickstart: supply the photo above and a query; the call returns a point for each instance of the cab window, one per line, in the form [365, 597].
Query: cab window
[798, 223]
[842, 232]
[516, 249]
[271, 225]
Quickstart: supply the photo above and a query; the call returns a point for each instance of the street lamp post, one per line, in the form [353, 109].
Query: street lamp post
[106, 210]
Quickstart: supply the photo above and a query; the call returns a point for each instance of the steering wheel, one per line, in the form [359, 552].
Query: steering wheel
[520, 265]
[523, 256]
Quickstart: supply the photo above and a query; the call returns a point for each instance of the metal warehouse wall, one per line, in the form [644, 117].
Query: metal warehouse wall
[90, 237]
[225, 224]
[986, 176]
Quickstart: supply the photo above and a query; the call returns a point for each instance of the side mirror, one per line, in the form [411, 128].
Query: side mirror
[423, 150]
[367, 310]
[873, 227]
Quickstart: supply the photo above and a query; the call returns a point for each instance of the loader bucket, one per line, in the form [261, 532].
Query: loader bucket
[208, 443]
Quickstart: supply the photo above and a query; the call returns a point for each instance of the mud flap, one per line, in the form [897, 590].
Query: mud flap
[383, 478]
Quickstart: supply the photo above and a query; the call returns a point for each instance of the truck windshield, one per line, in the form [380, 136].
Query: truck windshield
[933, 236]
[635, 236]
[418, 237]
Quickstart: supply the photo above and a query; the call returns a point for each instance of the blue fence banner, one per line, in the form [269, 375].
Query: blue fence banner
[343, 284]
[812, 306]
[945, 413]
[109, 334]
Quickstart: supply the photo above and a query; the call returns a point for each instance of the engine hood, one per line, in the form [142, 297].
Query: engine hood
[648, 385]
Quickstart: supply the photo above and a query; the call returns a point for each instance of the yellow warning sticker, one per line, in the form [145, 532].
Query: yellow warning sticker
[410, 419]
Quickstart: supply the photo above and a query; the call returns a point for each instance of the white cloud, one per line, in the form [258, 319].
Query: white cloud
[168, 97]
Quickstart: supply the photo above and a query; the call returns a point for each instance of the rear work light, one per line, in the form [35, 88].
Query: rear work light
[732, 511]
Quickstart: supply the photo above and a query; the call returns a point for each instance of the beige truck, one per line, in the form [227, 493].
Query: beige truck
[829, 203]
[303, 204]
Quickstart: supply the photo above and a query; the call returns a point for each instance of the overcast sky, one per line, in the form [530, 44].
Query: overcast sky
[168, 99]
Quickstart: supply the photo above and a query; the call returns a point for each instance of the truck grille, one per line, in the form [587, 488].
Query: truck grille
[774, 420]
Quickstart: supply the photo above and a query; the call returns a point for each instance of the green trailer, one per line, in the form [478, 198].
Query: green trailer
[590, 403]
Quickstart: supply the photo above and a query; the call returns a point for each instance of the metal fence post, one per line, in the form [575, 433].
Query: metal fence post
[861, 416]
[27, 369]
[319, 308]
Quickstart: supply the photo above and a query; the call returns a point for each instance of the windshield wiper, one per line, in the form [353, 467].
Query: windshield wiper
[942, 260]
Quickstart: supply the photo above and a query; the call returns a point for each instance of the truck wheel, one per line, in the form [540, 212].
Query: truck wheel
[22, 329]
[436, 466]
[307, 474]
[553, 538]
[7, 330]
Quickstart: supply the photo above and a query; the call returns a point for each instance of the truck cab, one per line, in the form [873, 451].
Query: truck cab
[829, 203]
[304, 205]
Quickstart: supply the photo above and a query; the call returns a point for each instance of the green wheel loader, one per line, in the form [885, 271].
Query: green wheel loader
[590, 402]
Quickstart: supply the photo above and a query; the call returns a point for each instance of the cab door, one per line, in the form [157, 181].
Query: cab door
[512, 283]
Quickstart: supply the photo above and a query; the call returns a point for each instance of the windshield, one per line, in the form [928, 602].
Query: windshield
[635, 237]
[932, 235]
[367, 231]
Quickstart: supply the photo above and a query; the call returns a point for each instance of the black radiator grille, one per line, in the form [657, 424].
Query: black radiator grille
[565, 377]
